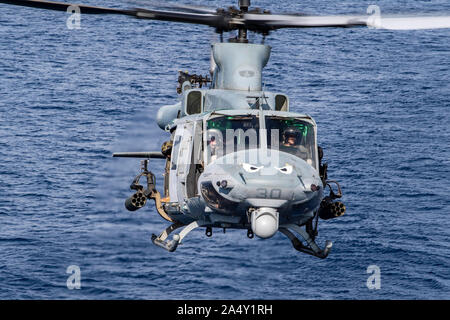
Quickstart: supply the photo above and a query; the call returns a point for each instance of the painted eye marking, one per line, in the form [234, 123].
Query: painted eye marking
[251, 168]
[287, 169]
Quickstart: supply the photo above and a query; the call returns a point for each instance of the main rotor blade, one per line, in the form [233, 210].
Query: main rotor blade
[212, 20]
[62, 6]
[272, 22]
[199, 9]
[217, 21]
[173, 6]
[411, 23]
[224, 20]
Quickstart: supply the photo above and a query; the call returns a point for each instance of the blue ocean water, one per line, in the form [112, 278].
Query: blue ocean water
[69, 98]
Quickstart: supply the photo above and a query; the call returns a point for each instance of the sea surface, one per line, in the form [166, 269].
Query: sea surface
[70, 98]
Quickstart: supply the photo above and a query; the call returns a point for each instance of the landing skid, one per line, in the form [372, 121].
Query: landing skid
[312, 248]
[171, 245]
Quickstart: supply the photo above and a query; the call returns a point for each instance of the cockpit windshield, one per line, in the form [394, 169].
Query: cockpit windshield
[291, 135]
[226, 134]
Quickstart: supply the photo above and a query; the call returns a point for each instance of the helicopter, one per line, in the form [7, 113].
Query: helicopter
[237, 157]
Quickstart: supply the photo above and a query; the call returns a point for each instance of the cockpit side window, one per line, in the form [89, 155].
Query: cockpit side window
[281, 103]
[194, 102]
[291, 135]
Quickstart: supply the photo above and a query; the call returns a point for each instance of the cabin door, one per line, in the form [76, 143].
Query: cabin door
[173, 175]
[184, 160]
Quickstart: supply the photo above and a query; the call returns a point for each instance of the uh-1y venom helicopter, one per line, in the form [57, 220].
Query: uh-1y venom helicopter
[237, 157]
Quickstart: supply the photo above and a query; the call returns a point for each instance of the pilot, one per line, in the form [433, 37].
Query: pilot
[213, 148]
[290, 143]
[290, 138]
[214, 144]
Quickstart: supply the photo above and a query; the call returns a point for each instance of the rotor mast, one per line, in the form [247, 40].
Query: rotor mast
[242, 33]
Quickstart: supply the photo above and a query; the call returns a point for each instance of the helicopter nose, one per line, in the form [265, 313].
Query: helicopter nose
[258, 184]
[276, 186]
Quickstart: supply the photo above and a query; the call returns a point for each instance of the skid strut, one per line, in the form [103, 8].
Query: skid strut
[171, 245]
[312, 248]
